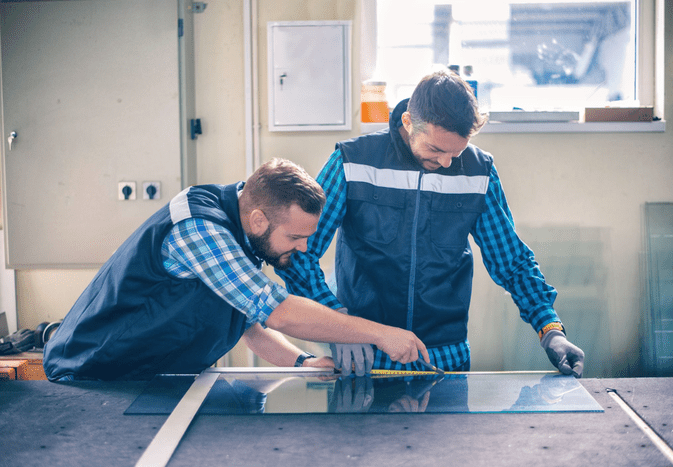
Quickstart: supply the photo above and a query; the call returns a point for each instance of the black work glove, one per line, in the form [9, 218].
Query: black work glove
[17, 342]
[567, 357]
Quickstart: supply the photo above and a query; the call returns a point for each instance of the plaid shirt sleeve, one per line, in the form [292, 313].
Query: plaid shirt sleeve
[510, 262]
[203, 249]
[305, 277]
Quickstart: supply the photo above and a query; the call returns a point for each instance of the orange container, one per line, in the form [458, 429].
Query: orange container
[374, 106]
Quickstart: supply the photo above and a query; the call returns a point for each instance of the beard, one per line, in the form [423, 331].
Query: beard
[263, 249]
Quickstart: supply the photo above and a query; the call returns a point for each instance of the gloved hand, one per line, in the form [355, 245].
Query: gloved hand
[352, 395]
[564, 355]
[345, 355]
[17, 342]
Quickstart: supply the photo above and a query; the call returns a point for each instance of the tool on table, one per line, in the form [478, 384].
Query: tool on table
[395, 373]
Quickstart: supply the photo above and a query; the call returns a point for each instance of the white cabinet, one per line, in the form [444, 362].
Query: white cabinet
[309, 75]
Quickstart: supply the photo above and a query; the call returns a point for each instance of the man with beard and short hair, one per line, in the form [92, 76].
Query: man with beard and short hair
[181, 291]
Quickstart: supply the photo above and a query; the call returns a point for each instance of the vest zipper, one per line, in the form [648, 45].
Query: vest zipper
[412, 267]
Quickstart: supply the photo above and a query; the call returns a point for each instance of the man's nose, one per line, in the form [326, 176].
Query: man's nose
[445, 161]
[302, 245]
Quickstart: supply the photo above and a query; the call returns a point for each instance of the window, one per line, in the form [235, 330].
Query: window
[530, 55]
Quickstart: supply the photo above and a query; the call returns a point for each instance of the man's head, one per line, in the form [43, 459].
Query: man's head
[280, 207]
[441, 117]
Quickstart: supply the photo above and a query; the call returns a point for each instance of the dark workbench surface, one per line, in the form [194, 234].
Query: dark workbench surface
[68, 424]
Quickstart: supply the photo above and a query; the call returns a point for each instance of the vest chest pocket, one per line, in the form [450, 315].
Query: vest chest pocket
[453, 216]
[374, 213]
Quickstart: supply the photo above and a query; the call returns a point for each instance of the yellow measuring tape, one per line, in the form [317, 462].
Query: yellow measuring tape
[387, 373]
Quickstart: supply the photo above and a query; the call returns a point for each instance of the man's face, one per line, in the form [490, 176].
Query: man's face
[435, 147]
[278, 243]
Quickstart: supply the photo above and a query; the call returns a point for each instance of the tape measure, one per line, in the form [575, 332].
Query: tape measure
[389, 373]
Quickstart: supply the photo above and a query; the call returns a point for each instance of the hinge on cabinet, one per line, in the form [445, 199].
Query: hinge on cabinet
[198, 7]
[181, 27]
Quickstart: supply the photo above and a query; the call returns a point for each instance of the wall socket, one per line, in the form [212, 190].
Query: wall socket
[126, 191]
[151, 190]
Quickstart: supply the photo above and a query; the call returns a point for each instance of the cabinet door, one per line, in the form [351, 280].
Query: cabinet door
[309, 76]
[91, 89]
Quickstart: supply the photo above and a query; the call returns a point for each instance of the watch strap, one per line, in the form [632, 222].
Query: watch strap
[303, 356]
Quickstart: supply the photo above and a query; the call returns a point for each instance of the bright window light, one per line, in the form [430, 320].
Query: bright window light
[541, 55]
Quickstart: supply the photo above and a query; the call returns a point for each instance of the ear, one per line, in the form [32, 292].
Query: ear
[258, 222]
[406, 122]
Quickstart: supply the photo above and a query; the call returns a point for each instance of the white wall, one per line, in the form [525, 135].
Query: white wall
[554, 182]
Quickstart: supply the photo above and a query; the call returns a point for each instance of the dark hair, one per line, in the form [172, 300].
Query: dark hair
[278, 184]
[446, 100]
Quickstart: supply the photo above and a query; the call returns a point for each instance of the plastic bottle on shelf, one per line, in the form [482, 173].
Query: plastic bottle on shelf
[469, 79]
[374, 105]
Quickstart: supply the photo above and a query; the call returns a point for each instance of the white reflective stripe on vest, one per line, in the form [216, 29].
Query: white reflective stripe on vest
[454, 183]
[179, 207]
[408, 179]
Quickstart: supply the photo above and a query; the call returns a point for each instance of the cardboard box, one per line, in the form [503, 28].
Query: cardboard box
[618, 114]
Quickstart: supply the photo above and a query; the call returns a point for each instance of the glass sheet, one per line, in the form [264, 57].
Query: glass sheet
[275, 393]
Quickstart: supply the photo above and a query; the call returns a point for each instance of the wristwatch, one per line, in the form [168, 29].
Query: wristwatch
[303, 356]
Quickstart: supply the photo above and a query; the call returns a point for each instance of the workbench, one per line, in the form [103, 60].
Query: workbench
[83, 423]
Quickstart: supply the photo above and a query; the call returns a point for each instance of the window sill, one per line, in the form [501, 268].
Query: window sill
[554, 127]
[575, 127]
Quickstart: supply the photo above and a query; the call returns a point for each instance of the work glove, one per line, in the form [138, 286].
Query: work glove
[567, 357]
[347, 355]
[352, 395]
[17, 342]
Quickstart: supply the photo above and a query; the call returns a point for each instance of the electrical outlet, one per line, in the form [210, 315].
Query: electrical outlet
[151, 190]
[126, 191]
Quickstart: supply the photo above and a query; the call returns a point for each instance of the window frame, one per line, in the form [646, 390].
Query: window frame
[649, 76]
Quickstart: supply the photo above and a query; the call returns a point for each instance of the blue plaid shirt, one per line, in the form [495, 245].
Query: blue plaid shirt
[197, 248]
[509, 262]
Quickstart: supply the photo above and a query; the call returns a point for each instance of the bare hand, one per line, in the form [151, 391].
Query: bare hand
[402, 346]
[319, 362]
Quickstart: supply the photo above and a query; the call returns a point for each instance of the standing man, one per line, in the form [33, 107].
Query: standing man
[186, 286]
[406, 199]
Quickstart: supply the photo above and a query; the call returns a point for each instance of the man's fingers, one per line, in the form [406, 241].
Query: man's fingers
[424, 351]
[369, 358]
[578, 368]
[346, 362]
[359, 361]
[336, 355]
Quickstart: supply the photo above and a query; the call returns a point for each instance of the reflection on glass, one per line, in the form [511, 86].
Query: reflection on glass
[456, 393]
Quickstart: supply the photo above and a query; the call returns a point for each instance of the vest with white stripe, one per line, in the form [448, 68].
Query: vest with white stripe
[403, 256]
[135, 320]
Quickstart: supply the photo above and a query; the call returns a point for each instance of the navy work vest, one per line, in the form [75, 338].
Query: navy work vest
[403, 256]
[135, 320]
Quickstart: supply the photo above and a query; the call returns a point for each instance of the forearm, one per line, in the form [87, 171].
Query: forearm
[305, 319]
[271, 346]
